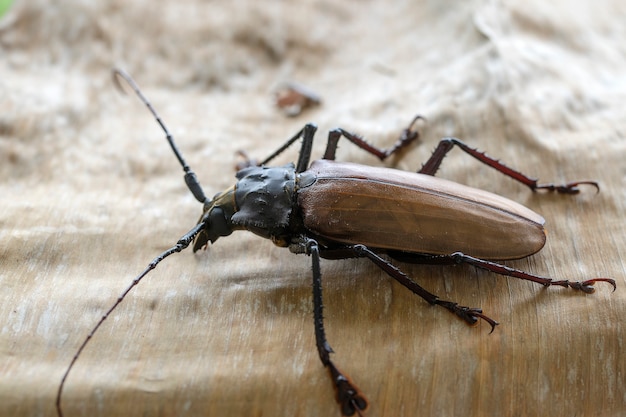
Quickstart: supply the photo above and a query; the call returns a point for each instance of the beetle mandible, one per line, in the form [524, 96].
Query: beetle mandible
[339, 210]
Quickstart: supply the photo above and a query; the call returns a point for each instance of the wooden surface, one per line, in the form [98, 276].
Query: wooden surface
[91, 193]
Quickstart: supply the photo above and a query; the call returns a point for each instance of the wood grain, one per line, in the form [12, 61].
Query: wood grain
[91, 193]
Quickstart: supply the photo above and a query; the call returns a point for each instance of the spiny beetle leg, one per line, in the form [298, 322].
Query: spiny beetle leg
[409, 134]
[445, 145]
[307, 134]
[585, 286]
[468, 314]
[349, 397]
[406, 138]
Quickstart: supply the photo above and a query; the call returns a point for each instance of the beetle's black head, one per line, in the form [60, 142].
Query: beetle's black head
[262, 202]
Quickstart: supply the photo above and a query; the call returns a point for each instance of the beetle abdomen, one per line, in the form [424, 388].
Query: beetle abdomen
[391, 209]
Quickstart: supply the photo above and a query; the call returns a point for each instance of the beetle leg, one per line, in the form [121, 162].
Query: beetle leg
[470, 315]
[349, 397]
[306, 133]
[407, 137]
[584, 286]
[445, 145]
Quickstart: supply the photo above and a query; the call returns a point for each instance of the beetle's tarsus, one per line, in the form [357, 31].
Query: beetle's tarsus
[581, 286]
[468, 314]
[569, 188]
[349, 397]
[585, 286]
[408, 135]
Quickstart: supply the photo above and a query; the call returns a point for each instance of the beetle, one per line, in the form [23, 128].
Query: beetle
[338, 210]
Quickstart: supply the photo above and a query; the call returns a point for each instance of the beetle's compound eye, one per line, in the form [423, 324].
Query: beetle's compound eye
[216, 225]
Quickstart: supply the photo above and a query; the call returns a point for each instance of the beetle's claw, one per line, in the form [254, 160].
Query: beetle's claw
[471, 315]
[349, 397]
[590, 282]
[592, 183]
[478, 313]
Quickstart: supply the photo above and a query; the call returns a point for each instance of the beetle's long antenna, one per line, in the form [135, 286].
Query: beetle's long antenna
[190, 177]
[182, 243]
